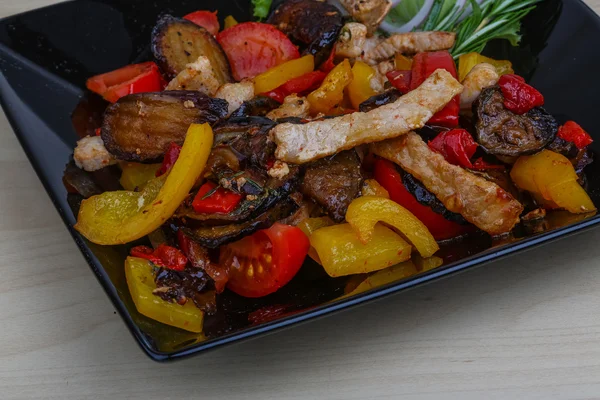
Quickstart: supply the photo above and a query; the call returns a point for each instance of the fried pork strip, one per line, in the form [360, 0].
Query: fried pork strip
[481, 202]
[368, 12]
[301, 143]
[410, 43]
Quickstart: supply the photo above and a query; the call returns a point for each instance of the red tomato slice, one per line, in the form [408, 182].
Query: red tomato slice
[264, 262]
[206, 19]
[135, 78]
[253, 47]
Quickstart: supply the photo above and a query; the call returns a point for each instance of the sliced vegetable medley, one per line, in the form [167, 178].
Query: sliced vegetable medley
[245, 146]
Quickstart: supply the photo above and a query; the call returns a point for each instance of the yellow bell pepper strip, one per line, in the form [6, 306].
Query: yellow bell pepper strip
[402, 63]
[331, 92]
[364, 213]
[360, 88]
[426, 264]
[230, 21]
[280, 74]
[385, 276]
[123, 216]
[372, 188]
[136, 175]
[466, 62]
[552, 176]
[342, 253]
[140, 280]
[309, 226]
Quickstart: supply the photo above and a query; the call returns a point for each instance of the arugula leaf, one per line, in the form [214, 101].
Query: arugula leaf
[261, 8]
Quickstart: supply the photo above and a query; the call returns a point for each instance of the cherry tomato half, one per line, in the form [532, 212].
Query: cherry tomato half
[206, 19]
[264, 262]
[254, 47]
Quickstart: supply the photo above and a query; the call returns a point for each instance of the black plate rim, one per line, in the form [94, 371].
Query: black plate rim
[369, 296]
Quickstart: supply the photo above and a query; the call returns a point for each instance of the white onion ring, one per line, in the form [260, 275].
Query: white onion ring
[410, 25]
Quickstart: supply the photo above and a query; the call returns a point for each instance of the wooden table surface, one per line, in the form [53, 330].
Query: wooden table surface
[525, 327]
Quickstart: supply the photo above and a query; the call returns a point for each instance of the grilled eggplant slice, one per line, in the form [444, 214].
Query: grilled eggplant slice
[140, 127]
[235, 127]
[258, 106]
[502, 132]
[312, 23]
[177, 42]
[248, 137]
[214, 236]
[334, 182]
[274, 191]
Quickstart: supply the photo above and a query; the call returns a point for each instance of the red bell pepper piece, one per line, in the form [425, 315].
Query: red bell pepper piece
[386, 174]
[136, 78]
[163, 256]
[215, 199]
[301, 85]
[457, 146]
[571, 131]
[519, 97]
[400, 80]
[481, 164]
[171, 156]
[425, 64]
[206, 19]
[328, 65]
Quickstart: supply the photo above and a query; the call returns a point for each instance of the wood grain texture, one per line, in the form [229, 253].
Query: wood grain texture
[526, 327]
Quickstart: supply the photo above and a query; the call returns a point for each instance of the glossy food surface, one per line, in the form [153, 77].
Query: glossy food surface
[45, 60]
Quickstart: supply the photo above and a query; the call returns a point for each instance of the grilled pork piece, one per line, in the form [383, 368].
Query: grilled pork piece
[91, 155]
[481, 76]
[479, 201]
[235, 94]
[301, 143]
[293, 106]
[369, 12]
[351, 42]
[198, 75]
[410, 43]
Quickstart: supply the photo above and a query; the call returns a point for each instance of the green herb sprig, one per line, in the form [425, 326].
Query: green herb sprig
[493, 19]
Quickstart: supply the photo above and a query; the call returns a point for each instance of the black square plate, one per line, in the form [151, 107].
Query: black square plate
[47, 54]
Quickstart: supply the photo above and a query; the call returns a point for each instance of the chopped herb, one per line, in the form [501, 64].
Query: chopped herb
[254, 183]
[210, 192]
[261, 8]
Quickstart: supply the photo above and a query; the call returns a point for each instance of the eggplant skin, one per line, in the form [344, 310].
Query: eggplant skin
[502, 132]
[140, 127]
[381, 99]
[177, 42]
[213, 237]
[257, 107]
[428, 199]
[312, 23]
